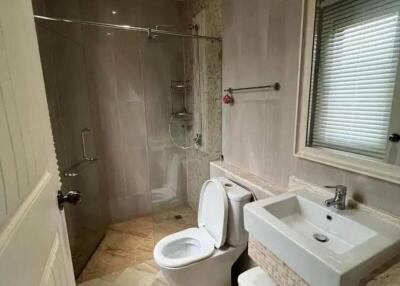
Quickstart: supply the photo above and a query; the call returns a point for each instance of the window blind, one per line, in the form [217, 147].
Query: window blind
[355, 66]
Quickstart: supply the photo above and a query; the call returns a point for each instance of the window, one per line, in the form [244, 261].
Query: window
[354, 71]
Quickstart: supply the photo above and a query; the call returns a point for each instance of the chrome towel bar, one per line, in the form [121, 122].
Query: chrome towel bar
[275, 86]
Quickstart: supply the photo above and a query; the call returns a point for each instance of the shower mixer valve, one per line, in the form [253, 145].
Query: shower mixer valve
[198, 139]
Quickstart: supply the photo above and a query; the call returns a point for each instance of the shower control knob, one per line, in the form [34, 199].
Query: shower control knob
[394, 137]
[72, 197]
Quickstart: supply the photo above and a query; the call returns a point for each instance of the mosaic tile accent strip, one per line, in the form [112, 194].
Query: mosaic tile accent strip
[386, 275]
[204, 101]
[271, 264]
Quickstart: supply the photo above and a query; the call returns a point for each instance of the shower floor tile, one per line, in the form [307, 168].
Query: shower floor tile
[126, 252]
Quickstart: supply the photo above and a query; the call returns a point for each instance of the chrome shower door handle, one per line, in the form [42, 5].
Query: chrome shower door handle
[83, 143]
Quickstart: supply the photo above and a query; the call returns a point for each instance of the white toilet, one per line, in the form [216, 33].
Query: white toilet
[204, 256]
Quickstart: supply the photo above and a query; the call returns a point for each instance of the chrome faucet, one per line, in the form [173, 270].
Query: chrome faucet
[339, 201]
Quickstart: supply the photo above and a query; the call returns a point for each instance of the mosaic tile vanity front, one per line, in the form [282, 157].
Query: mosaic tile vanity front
[386, 275]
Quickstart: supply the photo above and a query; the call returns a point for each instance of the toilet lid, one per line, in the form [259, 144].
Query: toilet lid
[213, 211]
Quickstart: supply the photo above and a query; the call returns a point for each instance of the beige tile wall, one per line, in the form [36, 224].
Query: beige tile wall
[261, 41]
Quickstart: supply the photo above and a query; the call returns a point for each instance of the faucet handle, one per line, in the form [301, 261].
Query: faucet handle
[339, 189]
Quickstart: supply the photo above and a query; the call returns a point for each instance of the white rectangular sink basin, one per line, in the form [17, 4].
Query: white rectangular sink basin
[323, 245]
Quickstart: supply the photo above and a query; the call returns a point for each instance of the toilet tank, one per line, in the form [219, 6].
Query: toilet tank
[237, 198]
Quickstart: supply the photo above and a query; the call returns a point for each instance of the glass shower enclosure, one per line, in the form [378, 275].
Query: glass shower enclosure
[122, 106]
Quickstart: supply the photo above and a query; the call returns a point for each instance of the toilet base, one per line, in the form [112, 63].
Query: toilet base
[213, 271]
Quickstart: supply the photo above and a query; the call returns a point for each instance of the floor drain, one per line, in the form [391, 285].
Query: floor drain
[320, 237]
[178, 216]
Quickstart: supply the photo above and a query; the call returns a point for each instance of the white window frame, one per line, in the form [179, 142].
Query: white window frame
[340, 159]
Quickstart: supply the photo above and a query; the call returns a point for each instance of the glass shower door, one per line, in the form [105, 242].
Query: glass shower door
[166, 91]
[63, 62]
[162, 58]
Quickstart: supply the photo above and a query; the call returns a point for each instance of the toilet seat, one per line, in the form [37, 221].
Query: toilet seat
[194, 244]
[184, 247]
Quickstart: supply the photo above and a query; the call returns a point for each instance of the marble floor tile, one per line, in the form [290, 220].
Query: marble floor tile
[143, 274]
[137, 277]
[97, 282]
[117, 251]
[141, 227]
[125, 255]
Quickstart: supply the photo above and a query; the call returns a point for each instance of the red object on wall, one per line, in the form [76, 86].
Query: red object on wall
[228, 99]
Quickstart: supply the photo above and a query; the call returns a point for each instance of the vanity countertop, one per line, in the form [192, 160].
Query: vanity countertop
[387, 275]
